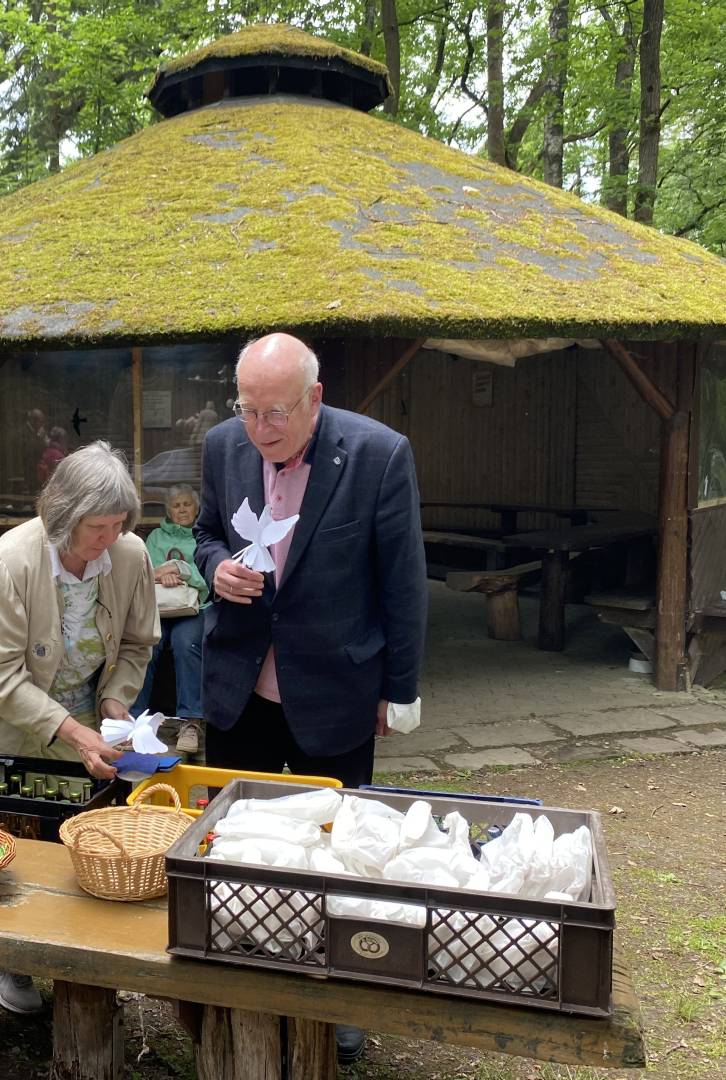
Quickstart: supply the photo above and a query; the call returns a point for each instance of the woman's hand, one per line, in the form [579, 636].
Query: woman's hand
[112, 709]
[168, 578]
[91, 748]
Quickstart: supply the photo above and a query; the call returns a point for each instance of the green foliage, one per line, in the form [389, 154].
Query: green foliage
[73, 73]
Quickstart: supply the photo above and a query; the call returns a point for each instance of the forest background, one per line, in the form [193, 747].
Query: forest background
[622, 102]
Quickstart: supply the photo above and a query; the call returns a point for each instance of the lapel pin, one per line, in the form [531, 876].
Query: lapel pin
[336, 461]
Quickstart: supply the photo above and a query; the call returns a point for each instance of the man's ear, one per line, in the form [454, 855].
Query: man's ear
[316, 393]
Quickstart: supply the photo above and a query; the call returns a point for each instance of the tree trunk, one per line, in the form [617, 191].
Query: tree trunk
[556, 81]
[389, 20]
[649, 110]
[369, 22]
[495, 81]
[615, 189]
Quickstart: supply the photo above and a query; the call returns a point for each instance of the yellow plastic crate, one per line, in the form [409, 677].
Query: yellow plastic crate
[191, 782]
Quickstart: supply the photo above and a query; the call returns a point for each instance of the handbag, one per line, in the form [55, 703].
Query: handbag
[176, 601]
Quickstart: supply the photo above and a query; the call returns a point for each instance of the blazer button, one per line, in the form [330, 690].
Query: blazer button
[111, 668]
[109, 637]
[258, 659]
[275, 617]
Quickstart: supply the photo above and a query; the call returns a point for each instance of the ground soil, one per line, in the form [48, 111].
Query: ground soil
[664, 820]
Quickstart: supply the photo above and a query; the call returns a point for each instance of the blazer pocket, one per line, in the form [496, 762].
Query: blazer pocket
[339, 533]
[360, 651]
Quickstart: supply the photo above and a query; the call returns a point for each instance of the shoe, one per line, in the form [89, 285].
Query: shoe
[18, 994]
[188, 739]
[349, 1041]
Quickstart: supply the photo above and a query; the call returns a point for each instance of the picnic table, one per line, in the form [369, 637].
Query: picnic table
[508, 512]
[240, 1017]
[556, 545]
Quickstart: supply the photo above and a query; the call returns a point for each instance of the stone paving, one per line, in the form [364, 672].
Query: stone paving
[491, 703]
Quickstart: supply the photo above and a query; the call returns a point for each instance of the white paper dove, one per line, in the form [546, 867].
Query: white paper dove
[261, 532]
[141, 732]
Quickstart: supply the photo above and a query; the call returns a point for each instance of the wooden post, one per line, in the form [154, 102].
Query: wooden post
[670, 619]
[238, 1045]
[552, 601]
[311, 1050]
[87, 1033]
[136, 384]
[391, 374]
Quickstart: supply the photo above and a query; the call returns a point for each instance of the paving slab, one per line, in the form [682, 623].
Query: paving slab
[717, 737]
[506, 755]
[566, 752]
[701, 713]
[418, 742]
[654, 745]
[508, 732]
[404, 764]
[612, 722]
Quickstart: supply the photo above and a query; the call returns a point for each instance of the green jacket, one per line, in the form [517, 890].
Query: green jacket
[171, 541]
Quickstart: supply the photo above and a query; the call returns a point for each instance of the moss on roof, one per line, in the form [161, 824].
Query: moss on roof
[271, 39]
[274, 213]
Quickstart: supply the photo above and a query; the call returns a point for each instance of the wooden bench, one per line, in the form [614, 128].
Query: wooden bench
[501, 588]
[489, 548]
[91, 948]
[633, 612]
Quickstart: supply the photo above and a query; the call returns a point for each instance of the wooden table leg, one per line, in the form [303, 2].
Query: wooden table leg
[312, 1053]
[552, 601]
[87, 1033]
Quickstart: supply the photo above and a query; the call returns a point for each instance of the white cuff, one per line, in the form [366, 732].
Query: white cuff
[404, 718]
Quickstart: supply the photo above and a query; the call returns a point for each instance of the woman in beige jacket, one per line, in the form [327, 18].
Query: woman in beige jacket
[78, 622]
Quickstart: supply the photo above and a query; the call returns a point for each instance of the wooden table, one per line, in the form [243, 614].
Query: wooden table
[91, 948]
[576, 515]
[556, 546]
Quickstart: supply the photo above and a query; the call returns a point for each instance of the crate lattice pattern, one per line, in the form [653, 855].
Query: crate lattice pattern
[260, 921]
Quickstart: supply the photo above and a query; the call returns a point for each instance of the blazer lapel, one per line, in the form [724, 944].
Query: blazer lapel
[327, 468]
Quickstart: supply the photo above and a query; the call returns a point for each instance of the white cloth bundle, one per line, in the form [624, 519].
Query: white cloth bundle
[379, 910]
[257, 824]
[262, 851]
[293, 926]
[319, 806]
[485, 953]
[365, 833]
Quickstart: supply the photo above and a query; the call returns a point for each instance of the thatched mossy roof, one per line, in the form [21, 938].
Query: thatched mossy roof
[276, 54]
[270, 213]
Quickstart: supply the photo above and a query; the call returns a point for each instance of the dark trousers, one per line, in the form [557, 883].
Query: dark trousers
[261, 741]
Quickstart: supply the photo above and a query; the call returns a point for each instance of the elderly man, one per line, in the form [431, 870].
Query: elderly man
[300, 665]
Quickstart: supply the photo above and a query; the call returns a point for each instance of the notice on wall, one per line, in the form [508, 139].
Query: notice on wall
[481, 386]
[156, 409]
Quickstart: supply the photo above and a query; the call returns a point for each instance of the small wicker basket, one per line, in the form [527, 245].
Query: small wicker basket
[7, 849]
[118, 851]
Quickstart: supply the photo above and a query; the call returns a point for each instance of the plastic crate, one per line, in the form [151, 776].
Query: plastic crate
[194, 781]
[490, 946]
[461, 796]
[40, 819]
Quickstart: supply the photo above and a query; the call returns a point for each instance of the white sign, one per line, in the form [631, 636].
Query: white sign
[156, 409]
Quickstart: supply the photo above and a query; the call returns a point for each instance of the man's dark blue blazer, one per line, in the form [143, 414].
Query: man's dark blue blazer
[348, 619]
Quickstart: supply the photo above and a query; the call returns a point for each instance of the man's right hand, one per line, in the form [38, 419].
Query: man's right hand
[93, 751]
[236, 583]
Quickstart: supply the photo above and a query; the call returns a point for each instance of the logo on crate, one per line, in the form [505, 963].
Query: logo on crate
[369, 945]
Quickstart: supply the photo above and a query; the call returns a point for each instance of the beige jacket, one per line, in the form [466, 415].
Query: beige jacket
[31, 640]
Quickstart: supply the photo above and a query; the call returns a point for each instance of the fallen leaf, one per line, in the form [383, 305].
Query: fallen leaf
[616, 810]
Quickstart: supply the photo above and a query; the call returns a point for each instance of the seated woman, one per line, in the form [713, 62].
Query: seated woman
[173, 540]
[77, 625]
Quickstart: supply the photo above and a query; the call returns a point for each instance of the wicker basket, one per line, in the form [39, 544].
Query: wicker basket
[7, 849]
[118, 851]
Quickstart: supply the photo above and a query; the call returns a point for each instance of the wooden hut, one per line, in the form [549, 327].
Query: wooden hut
[268, 198]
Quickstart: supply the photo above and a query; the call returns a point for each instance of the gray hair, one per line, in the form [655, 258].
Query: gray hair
[309, 362]
[91, 482]
[179, 489]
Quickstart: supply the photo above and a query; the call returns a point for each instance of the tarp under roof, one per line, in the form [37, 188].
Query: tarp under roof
[278, 212]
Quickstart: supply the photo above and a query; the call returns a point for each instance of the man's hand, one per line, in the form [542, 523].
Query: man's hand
[236, 583]
[92, 750]
[382, 727]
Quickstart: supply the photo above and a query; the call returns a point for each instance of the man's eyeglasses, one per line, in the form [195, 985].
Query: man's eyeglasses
[275, 417]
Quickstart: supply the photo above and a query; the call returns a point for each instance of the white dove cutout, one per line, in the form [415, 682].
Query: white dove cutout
[260, 532]
[141, 731]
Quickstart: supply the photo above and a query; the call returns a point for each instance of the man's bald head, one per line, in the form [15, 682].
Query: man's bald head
[276, 374]
[284, 353]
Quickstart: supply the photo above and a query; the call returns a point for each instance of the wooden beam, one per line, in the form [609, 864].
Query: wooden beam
[391, 374]
[670, 619]
[647, 389]
[136, 384]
